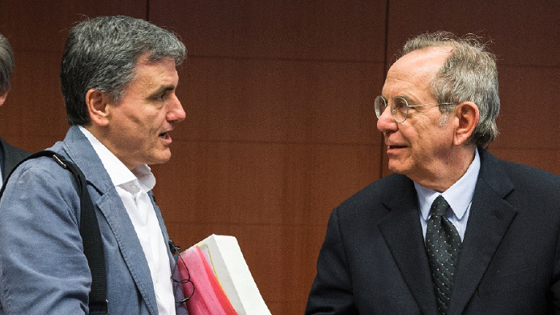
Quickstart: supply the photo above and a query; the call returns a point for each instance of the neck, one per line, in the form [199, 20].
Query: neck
[449, 171]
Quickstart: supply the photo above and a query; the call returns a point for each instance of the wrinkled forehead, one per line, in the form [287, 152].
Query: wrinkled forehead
[415, 70]
[423, 61]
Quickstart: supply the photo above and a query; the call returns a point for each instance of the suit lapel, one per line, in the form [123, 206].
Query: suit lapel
[111, 206]
[402, 232]
[489, 219]
[163, 230]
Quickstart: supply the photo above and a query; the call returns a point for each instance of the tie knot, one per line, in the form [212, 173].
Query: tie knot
[439, 207]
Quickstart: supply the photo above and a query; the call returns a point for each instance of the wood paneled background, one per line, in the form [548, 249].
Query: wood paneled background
[280, 125]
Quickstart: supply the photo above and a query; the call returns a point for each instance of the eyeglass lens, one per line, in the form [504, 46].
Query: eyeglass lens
[399, 108]
[380, 105]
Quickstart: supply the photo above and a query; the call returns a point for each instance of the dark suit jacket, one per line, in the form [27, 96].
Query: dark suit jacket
[12, 156]
[373, 260]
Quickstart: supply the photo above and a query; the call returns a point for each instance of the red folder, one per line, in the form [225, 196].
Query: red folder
[209, 297]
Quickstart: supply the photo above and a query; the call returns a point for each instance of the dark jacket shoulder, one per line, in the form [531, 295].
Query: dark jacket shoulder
[11, 157]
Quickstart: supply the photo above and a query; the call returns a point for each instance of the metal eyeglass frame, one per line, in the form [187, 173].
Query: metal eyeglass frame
[381, 104]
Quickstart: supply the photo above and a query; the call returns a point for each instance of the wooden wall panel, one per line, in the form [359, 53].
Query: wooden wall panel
[254, 183]
[42, 25]
[280, 128]
[34, 116]
[277, 29]
[529, 121]
[275, 198]
[278, 100]
[520, 29]
[280, 125]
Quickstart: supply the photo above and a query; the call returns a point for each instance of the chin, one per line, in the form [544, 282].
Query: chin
[165, 158]
[398, 168]
[393, 166]
[159, 159]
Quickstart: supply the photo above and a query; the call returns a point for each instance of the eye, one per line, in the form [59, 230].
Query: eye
[399, 104]
[160, 97]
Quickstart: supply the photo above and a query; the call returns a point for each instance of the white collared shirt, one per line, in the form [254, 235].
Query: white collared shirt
[133, 187]
[459, 196]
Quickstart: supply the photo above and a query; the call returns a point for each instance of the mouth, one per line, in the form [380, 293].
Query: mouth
[165, 137]
[393, 150]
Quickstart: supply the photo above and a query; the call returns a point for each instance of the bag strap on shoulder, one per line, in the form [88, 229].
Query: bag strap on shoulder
[89, 230]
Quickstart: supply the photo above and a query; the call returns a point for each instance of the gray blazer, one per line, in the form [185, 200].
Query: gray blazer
[43, 269]
[373, 260]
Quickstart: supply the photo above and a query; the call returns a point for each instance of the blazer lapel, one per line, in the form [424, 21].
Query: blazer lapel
[177, 287]
[129, 245]
[403, 234]
[166, 238]
[489, 219]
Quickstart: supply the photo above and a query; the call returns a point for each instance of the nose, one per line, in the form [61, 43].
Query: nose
[386, 122]
[176, 113]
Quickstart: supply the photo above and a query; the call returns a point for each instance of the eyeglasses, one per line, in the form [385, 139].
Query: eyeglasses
[181, 283]
[399, 107]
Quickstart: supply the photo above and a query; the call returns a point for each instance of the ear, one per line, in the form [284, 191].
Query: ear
[97, 104]
[467, 117]
[3, 96]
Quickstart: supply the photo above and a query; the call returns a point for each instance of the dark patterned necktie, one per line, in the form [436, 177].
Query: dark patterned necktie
[443, 245]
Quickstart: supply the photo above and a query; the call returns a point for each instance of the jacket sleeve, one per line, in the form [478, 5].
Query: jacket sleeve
[42, 265]
[332, 291]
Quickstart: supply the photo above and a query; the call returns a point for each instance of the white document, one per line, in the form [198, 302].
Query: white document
[225, 257]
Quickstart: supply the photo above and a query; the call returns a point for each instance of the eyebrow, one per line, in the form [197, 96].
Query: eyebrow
[405, 97]
[414, 101]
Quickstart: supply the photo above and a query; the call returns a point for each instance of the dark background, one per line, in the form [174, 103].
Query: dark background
[280, 125]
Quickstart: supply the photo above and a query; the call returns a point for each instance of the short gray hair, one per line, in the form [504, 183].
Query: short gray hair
[468, 74]
[101, 54]
[7, 63]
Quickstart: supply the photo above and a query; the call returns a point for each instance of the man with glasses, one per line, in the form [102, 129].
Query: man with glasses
[454, 230]
[119, 79]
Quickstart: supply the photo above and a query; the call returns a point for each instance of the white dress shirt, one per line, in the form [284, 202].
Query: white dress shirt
[459, 196]
[133, 187]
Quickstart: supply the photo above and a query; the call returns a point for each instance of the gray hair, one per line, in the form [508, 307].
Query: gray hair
[468, 74]
[102, 53]
[7, 63]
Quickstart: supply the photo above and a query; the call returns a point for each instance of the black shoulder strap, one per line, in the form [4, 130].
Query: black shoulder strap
[89, 230]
